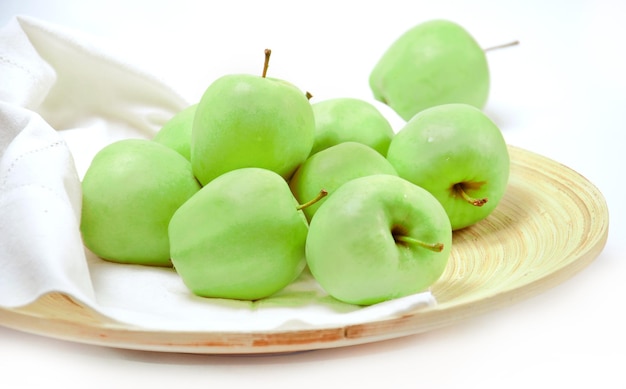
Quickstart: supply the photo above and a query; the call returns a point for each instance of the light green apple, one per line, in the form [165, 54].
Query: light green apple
[378, 238]
[131, 189]
[176, 132]
[436, 62]
[459, 155]
[244, 120]
[350, 119]
[242, 236]
[334, 166]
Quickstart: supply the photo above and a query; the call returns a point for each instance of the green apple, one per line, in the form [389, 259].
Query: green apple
[334, 166]
[242, 236]
[436, 62]
[131, 189]
[459, 155]
[176, 132]
[244, 120]
[350, 119]
[378, 238]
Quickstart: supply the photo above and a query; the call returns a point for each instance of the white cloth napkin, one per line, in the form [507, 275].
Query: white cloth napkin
[62, 98]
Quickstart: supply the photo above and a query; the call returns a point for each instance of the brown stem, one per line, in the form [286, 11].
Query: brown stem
[502, 46]
[308, 95]
[460, 189]
[266, 63]
[314, 200]
[436, 247]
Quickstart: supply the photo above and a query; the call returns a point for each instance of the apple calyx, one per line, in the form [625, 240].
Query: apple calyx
[502, 46]
[323, 193]
[403, 239]
[266, 63]
[460, 190]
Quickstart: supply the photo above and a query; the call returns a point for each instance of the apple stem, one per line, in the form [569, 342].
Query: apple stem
[476, 202]
[308, 95]
[266, 63]
[436, 247]
[314, 200]
[502, 46]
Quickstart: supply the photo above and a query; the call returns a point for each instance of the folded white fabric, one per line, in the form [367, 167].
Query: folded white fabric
[53, 80]
[61, 100]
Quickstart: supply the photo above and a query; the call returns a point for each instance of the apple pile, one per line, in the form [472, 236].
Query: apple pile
[244, 190]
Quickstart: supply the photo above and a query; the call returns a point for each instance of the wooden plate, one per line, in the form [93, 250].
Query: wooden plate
[551, 223]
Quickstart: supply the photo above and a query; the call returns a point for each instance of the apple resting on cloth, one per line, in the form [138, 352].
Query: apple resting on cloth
[334, 166]
[241, 236]
[459, 155]
[349, 119]
[436, 62]
[244, 120]
[377, 238]
[131, 189]
[176, 132]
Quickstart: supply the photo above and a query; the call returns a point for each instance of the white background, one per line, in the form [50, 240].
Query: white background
[560, 93]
